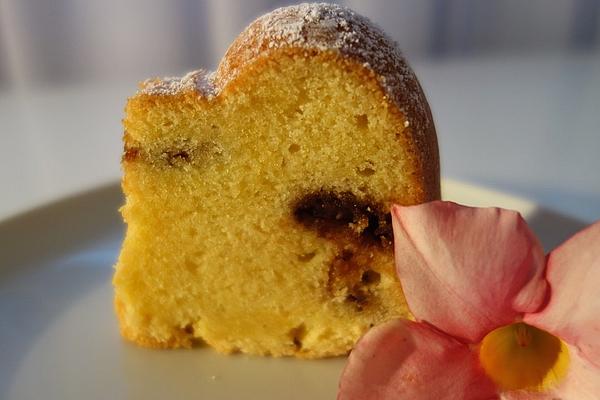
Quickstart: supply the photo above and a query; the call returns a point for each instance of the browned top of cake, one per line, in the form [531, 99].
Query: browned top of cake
[316, 26]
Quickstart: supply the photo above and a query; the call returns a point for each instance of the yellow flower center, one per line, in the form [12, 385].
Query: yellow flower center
[520, 356]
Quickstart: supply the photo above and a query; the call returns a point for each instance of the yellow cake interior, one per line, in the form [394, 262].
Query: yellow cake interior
[217, 249]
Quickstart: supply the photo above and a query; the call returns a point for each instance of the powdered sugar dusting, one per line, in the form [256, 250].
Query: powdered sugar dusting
[323, 27]
[199, 80]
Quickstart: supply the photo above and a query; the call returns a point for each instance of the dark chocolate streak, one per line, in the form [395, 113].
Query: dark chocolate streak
[130, 154]
[329, 212]
[174, 156]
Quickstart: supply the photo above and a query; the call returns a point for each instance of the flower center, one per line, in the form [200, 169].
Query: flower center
[520, 356]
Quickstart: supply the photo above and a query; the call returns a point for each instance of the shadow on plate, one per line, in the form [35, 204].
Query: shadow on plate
[54, 230]
[553, 228]
[49, 258]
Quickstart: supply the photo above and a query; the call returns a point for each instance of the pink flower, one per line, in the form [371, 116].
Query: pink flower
[495, 319]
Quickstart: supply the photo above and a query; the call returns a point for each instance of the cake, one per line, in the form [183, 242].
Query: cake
[258, 195]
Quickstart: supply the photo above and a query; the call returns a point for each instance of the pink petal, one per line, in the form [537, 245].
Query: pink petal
[581, 383]
[408, 360]
[467, 270]
[573, 313]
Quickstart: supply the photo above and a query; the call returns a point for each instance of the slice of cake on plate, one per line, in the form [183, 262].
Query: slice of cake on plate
[258, 196]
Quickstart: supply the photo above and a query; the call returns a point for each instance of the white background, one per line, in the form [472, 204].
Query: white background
[514, 87]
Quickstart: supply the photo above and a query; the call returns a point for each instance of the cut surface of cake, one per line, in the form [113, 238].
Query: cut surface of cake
[258, 196]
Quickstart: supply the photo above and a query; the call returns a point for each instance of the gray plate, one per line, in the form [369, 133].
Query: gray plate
[59, 337]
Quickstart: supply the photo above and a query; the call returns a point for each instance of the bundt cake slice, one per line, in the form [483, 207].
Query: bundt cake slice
[258, 196]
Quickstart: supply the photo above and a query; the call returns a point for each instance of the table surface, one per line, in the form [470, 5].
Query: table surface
[527, 125]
